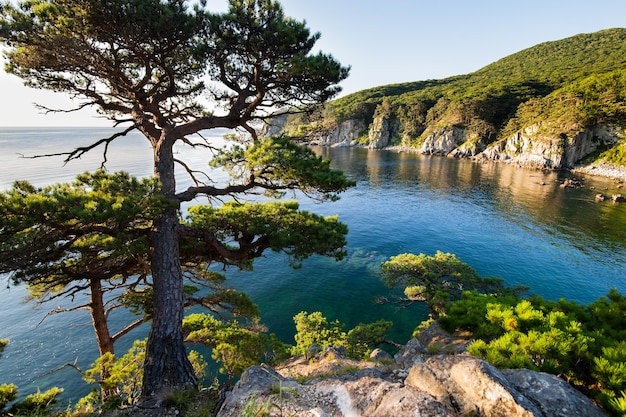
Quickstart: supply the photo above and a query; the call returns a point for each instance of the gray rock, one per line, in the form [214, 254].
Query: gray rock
[263, 390]
[533, 147]
[443, 141]
[552, 395]
[380, 355]
[344, 133]
[381, 132]
[412, 353]
[443, 385]
[471, 386]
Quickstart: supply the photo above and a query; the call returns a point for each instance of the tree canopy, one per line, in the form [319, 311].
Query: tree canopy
[170, 71]
[436, 280]
[91, 237]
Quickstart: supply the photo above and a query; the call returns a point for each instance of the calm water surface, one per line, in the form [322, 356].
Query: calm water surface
[504, 221]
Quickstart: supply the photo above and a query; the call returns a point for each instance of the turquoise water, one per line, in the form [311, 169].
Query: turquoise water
[504, 221]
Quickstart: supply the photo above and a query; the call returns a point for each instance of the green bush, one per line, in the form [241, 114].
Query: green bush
[586, 345]
[314, 330]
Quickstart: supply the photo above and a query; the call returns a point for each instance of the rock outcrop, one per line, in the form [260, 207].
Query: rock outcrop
[274, 126]
[443, 141]
[529, 147]
[345, 134]
[416, 383]
[382, 132]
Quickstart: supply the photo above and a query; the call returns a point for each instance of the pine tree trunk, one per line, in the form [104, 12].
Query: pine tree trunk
[98, 317]
[101, 328]
[167, 366]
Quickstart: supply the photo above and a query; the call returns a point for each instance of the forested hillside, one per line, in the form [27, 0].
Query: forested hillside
[558, 88]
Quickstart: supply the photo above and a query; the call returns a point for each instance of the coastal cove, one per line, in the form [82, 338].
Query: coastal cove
[514, 223]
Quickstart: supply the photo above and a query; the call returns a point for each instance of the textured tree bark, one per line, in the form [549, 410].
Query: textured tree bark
[99, 321]
[167, 366]
[98, 317]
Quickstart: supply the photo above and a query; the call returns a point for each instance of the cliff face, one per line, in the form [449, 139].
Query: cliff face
[382, 132]
[413, 383]
[530, 147]
[346, 133]
[533, 146]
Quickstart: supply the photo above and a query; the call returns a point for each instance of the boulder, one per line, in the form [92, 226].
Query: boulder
[552, 395]
[470, 386]
[379, 355]
[412, 353]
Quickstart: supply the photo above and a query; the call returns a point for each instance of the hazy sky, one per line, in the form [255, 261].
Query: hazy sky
[390, 41]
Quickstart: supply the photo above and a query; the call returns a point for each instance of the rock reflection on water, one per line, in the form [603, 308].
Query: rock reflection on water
[519, 194]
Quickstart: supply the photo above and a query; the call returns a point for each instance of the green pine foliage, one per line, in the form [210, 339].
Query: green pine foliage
[549, 342]
[363, 337]
[278, 164]
[122, 377]
[435, 280]
[8, 393]
[235, 346]
[50, 237]
[314, 332]
[470, 312]
[585, 344]
[282, 226]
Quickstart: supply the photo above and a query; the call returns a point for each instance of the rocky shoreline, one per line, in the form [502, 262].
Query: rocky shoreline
[430, 376]
[616, 172]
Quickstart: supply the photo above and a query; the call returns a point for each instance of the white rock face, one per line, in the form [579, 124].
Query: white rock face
[533, 146]
[530, 147]
[381, 132]
[274, 127]
[346, 133]
[444, 141]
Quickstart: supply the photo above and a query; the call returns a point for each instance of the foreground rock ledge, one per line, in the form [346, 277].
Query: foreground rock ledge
[414, 384]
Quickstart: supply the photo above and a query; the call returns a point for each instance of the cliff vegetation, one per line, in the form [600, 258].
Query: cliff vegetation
[549, 106]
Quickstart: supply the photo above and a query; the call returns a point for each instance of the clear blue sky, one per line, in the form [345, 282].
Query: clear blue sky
[390, 41]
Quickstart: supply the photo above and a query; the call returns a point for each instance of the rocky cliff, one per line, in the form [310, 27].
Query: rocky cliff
[412, 383]
[533, 146]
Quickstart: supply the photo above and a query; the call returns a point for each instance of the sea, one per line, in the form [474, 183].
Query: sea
[504, 221]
